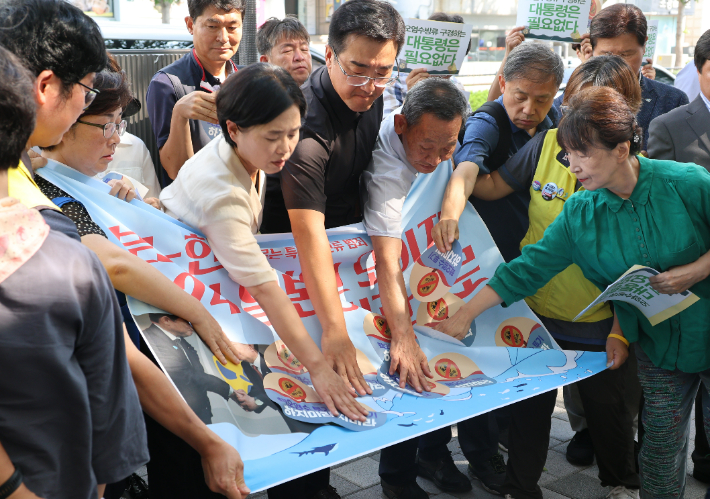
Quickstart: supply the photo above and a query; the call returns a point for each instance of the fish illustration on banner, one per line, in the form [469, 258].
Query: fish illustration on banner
[269, 414]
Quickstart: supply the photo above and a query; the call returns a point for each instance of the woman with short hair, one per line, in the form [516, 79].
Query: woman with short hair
[220, 191]
[634, 210]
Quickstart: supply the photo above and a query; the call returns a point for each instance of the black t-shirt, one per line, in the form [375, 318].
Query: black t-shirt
[323, 174]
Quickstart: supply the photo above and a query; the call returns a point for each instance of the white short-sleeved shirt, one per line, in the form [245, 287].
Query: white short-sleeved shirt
[386, 183]
[214, 193]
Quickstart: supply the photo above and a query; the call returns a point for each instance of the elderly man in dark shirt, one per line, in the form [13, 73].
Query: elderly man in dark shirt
[319, 186]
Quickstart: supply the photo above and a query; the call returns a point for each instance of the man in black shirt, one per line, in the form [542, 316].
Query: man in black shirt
[319, 186]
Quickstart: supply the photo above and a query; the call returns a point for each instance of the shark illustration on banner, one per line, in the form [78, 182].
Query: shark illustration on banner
[272, 415]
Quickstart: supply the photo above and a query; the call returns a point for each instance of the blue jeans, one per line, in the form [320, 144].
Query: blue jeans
[669, 399]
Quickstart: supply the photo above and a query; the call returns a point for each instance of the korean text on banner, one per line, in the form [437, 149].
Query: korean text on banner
[557, 20]
[438, 47]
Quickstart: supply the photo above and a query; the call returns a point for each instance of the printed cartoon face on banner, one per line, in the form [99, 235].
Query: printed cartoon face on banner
[434, 273]
[457, 371]
[520, 332]
[379, 334]
[438, 310]
[290, 387]
[278, 356]
[437, 390]
[301, 402]
[234, 375]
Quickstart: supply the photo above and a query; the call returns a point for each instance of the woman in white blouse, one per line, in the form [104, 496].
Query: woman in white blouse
[220, 191]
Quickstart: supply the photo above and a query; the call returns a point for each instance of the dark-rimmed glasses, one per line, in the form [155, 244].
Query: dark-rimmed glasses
[109, 128]
[90, 95]
[360, 81]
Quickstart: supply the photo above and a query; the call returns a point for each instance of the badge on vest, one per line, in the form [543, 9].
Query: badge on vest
[549, 191]
[536, 185]
[561, 193]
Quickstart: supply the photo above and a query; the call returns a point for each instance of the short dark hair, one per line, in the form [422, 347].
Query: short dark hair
[197, 7]
[598, 116]
[702, 51]
[375, 19]
[617, 20]
[606, 71]
[446, 18]
[275, 29]
[114, 92]
[450, 18]
[157, 316]
[241, 98]
[17, 108]
[534, 62]
[438, 97]
[52, 35]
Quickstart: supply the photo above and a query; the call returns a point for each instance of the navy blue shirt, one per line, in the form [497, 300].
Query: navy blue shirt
[161, 98]
[507, 218]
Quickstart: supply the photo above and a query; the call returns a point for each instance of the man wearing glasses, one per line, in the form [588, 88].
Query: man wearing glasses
[319, 187]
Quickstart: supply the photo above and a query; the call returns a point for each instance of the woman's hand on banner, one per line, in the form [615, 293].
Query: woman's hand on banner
[122, 189]
[336, 394]
[409, 361]
[616, 353]
[340, 354]
[224, 469]
[444, 233]
[456, 326]
[211, 333]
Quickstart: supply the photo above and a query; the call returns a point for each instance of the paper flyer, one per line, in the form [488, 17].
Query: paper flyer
[438, 47]
[633, 287]
[556, 20]
[652, 34]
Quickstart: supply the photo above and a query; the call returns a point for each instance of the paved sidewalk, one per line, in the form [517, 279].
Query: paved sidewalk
[358, 479]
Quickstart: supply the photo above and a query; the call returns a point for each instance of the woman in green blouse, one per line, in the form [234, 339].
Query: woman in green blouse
[634, 211]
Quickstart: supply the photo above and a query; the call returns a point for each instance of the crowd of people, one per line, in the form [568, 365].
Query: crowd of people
[574, 190]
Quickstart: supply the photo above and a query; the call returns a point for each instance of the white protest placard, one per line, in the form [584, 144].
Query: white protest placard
[633, 287]
[438, 47]
[651, 42]
[557, 20]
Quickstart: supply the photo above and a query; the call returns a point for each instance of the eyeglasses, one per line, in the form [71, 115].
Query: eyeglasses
[109, 128]
[359, 81]
[90, 95]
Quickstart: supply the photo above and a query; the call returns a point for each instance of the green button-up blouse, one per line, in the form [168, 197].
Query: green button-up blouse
[665, 223]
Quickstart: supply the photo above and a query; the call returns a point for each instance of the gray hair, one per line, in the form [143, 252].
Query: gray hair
[534, 62]
[274, 29]
[437, 96]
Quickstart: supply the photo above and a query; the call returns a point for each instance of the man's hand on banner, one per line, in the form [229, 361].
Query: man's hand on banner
[211, 333]
[408, 359]
[337, 394]
[444, 234]
[224, 469]
[340, 354]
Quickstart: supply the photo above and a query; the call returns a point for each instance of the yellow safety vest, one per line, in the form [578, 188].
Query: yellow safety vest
[22, 187]
[568, 293]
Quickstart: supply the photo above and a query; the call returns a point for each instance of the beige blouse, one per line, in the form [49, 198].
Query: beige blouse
[214, 193]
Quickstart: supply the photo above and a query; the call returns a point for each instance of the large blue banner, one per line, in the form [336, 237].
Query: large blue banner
[272, 415]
